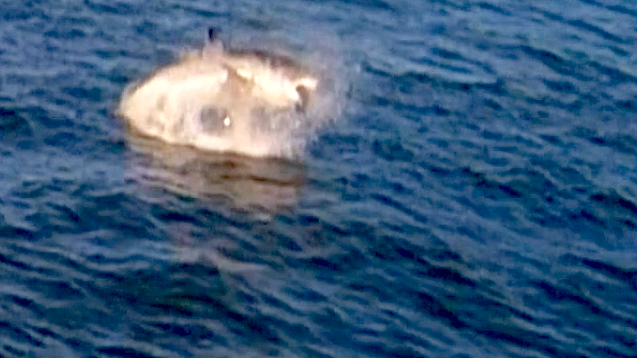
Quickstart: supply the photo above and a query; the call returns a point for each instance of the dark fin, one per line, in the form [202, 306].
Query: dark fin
[213, 47]
[213, 34]
[304, 101]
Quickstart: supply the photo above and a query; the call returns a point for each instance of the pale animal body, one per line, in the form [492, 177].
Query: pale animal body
[221, 100]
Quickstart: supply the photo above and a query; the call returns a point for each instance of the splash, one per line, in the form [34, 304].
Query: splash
[256, 102]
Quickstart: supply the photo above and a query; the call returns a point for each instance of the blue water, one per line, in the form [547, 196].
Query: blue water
[477, 197]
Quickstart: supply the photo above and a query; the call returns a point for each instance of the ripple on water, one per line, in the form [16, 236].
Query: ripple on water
[480, 200]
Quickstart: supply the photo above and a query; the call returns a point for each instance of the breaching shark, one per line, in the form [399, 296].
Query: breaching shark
[221, 99]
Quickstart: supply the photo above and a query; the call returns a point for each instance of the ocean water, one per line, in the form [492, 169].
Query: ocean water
[477, 197]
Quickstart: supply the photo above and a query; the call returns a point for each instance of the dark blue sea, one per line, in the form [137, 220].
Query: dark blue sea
[476, 196]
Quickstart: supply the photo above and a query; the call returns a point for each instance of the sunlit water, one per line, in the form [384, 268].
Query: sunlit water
[476, 198]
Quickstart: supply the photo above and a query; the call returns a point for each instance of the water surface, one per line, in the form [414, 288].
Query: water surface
[478, 197]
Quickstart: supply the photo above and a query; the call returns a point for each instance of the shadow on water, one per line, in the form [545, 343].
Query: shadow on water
[255, 185]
